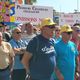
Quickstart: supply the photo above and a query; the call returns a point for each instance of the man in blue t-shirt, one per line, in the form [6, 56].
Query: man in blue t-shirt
[39, 59]
[19, 47]
[66, 53]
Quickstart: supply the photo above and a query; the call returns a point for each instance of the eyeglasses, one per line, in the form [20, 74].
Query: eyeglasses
[18, 32]
[51, 27]
[69, 33]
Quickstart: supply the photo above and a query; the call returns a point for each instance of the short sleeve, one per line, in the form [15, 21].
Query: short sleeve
[31, 47]
[11, 52]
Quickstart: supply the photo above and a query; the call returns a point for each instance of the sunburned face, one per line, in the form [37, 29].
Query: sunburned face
[29, 28]
[17, 34]
[67, 35]
[76, 31]
[49, 31]
[57, 32]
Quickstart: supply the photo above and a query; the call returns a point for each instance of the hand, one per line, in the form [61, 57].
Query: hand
[23, 49]
[61, 77]
[17, 50]
[76, 76]
[59, 74]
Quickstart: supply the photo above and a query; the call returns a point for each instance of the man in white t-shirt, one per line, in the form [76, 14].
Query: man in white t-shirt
[28, 33]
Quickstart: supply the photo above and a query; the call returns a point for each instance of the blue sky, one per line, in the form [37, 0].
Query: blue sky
[61, 5]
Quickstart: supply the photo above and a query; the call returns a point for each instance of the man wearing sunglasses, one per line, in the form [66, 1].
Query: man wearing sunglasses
[66, 53]
[39, 59]
[19, 47]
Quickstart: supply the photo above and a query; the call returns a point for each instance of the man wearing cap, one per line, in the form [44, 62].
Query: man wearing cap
[39, 59]
[66, 53]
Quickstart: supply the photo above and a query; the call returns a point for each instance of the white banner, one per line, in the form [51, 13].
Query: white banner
[70, 19]
[30, 13]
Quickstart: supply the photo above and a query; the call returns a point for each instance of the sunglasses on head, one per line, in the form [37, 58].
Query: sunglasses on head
[18, 32]
[51, 27]
[69, 33]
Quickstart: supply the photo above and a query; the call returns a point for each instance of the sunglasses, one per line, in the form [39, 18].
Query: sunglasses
[51, 27]
[69, 33]
[78, 30]
[57, 30]
[18, 32]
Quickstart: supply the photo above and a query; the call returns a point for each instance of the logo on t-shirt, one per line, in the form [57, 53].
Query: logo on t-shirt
[48, 50]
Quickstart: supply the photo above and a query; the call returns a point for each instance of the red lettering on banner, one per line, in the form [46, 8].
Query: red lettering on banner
[69, 21]
[40, 19]
[26, 19]
[68, 16]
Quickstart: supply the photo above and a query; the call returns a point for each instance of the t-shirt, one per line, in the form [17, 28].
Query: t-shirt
[65, 59]
[27, 37]
[42, 62]
[18, 44]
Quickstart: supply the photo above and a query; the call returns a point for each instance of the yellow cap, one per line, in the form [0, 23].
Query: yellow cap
[66, 28]
[47, 22]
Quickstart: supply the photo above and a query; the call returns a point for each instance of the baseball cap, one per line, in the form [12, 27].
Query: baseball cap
[66, 28]
[47, 22]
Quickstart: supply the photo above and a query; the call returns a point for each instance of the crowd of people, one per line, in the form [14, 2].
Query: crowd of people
[49, 52]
